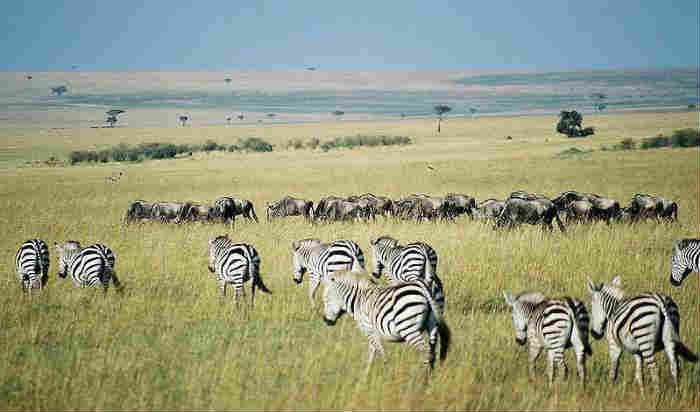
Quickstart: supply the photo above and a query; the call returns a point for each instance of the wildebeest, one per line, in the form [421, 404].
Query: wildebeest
[167, 211]
[518, 209]
[458, 204]
[200, 212]
[139, 210]
[644, 206]
[229, 207]
[579, 211]
[422, 206]
[289, 206]
[488, 209]
[324, 206]
[603, 208]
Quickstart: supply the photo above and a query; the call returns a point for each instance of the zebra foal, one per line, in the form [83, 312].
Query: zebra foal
[320, 259]
[399, 313]
[32, 263]
[554, 325]
[235, 263]
[92, 266]
[642, 325]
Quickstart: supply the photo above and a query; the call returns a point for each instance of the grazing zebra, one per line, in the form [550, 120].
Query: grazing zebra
[32, 262]
[235, 263]
[321, 259]
[554, 324]
[685, 259]
[400, 313]
[643, 325]
[92, 266]
[415, 261]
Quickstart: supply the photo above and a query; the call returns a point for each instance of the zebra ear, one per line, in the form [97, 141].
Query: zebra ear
[617, 282]
[295, 245]
[591, 286]
[509, 298]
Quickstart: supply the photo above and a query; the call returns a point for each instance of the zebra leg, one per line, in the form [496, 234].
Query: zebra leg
[237, 293]
[580, 364]
[638, 376]
[550, 366]
[650, 362]
[252, 292]
[670, 350]
[535, 350]
[222, 288]
[375, 347]
[313, 285]
[615, 353]
[117, 283]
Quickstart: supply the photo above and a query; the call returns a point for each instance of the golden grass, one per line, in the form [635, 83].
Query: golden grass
[169, 342]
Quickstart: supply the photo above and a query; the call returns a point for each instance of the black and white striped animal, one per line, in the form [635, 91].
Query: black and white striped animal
[32, 262]
[92, 266]
[643, 325]
[685, 259]
[235, 263]
[551, 324]
[403, 312]
[321, 259]
[415, 261]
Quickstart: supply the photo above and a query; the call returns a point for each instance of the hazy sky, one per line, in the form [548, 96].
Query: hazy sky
[356, 34]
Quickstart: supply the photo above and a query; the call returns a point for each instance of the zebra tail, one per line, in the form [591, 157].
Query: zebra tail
[671, 314]
[252, 212]
[261, 285]
[685, 353]
[445, 338]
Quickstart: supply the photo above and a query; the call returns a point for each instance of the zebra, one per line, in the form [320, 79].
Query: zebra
[685, 259]
[415, 261]
[32, 262]
[92, 266]
[643, 324]
[320, 259]
[400, 313]
[552, 323]
[235, 263]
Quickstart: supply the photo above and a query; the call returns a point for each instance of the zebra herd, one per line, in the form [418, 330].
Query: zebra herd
[410, 308]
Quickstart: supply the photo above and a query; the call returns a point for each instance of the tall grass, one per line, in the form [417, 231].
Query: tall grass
[170, 342]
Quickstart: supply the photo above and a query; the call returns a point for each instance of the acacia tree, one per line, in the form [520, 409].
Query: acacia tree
[441, 109]
[112, 116]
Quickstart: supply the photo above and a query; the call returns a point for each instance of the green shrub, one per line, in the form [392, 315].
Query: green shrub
[254, 144]
[627, 144]
[685, 138]
[210, 146]
[313, 143]
[103, 156]
[295, 144]
[655, 142]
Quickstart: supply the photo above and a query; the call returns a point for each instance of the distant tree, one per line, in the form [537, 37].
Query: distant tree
[29, 77]
[59, 90]
[228, 119]
[271, 115]
[441, 109]
[692, 106]
[228, 80]
[183, 119]
[240, 116]
[473, 110]
[570, 123]
[112, 116]
[338, 113]
[601, 106]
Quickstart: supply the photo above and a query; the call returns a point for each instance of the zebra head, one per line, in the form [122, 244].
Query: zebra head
[65, 255]
[380, 251]
[216, 246]
[681, 264]
[603, 300]
[300, 248]
[522, 306]
[343, 287]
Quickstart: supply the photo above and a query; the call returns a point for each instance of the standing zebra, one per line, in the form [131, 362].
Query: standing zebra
[400, 313]
[32, 262]
[235, 263]
[320, 259]
[92, 266]
[415, 261]
[554, 324]
[643, 325]
[685, 259]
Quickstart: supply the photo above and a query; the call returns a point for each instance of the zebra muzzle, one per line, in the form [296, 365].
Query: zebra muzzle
[328, 321]
[521, 341]
[297, 281]
[596, 335]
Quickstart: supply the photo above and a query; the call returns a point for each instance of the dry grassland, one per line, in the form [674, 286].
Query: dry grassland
[169, 342]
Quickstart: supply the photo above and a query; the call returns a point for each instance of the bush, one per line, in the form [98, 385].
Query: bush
[313, 143]
[295, 144]
[211, 145]
[685, 138]
[627, 144]
[655, 142]
[254, 144]
[103, 156]
[350, 142]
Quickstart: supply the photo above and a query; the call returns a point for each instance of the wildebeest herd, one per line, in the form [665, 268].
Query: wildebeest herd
[519, 207]
[410, 306]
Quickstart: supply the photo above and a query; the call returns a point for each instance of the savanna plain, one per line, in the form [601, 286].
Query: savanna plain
[169, 342]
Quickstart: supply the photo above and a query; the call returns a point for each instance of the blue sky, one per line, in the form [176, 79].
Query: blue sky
[354, 35]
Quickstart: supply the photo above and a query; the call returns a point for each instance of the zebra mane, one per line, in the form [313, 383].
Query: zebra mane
[386, 239]
[613, 291]
[220, 240]
[530, 297]
[683, 243]
[305, 242]
[360, 279]
[71, 245]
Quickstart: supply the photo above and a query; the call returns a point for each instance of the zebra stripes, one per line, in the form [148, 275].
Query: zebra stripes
[92, 266]
[32, 263]
[685, 259]
[235, 263]
[643, 325]
[553, 324]
[321, 259]
[402, 312]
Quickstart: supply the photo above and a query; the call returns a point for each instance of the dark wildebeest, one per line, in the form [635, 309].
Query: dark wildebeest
[644, 206]
[139, 210]
[488, 209]
[458, 204]
[518, 210]
[324, 206]
[200, 212]
[603, 208]
[167, 211]
[579, 211]
[346, 210]
[430, 207]
[368, 206]
[669, 210]
[229, 207]
[289, 206]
